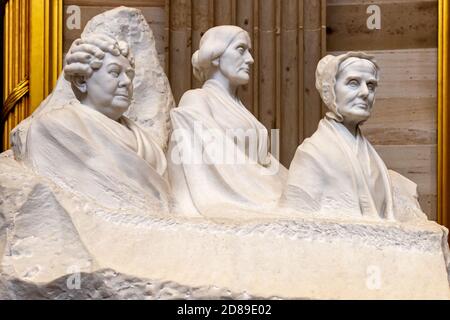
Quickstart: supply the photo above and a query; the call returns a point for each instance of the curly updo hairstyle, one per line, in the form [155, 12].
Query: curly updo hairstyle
[86, 55]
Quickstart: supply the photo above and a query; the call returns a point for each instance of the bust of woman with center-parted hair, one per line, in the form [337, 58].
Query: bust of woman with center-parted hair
[87, 145]
[219, 160]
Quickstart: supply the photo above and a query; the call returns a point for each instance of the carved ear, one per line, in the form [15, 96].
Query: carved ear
[80, 83]
[215, 62]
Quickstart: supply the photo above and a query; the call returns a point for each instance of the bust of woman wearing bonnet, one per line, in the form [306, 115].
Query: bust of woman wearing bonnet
[203, 178]
[87, 145]
[337, 172]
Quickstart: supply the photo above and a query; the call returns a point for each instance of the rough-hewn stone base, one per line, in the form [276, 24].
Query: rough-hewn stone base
[46, 235]
[292, 259]
[110, 285]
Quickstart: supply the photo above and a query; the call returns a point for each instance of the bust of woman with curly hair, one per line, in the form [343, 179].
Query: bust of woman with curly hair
[101, 73]
[87, 145]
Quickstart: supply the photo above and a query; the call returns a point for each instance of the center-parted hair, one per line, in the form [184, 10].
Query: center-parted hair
[212, 45]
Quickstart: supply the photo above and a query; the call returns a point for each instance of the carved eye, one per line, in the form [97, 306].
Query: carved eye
[241, 49]
[114, 73]
[353, 83]
[371, 86]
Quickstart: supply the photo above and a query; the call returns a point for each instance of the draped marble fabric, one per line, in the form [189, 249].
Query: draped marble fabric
[117, 164]
[336, 174]
[218, 156]
[152, 99]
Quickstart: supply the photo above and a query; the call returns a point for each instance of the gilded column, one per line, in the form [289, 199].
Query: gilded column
[443, 116]
[32, 58]
[15, 66]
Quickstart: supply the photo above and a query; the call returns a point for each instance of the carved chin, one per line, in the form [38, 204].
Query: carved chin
[243, 79]
[361, 116]
[121, 102]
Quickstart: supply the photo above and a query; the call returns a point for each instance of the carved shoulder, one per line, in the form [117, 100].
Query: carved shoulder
[195, 100]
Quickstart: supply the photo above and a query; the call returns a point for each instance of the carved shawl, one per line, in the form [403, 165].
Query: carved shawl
[336, 174]
[212, 172]
[115, 163]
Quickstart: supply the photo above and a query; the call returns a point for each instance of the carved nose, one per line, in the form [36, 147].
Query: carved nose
[125, 80]
[363, 91]
[249, 59]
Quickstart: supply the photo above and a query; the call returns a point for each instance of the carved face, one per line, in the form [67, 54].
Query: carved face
[109, 89]
[355, 91]
[235, 62]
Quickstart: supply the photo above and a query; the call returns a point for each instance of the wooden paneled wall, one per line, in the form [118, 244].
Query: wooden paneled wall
[403, 127]
[288, 39]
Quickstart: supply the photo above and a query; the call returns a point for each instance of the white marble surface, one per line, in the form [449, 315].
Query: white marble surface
[219, 159]
[261, 257]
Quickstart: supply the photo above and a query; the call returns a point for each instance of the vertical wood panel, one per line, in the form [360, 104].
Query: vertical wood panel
[301, 71]
[223, 12]
[289, 79]
[323, 47]
[256, 32]
[244, 19]
[267, 58]
[313, 53]
[180, 47]
[201, 21]
[278, 63]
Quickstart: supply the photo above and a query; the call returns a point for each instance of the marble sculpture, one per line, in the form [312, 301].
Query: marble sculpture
[337, 172]
[110, 192]
[218, 147]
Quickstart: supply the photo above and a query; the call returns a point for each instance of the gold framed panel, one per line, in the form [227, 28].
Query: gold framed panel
[33, 59]
[443, 116]
[46, 25]
[15, 66]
